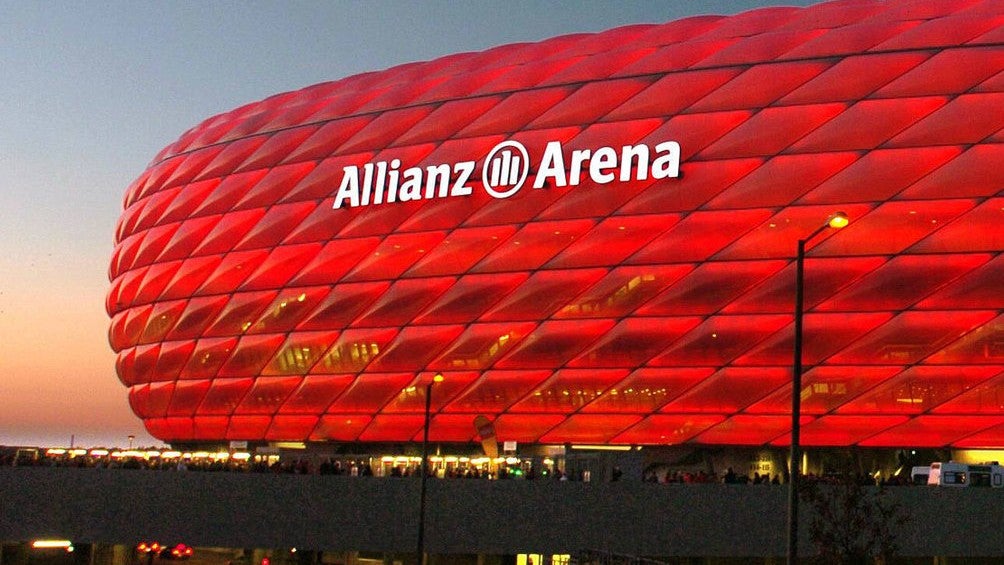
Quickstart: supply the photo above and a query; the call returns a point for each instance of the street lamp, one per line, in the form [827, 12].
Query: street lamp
[836, 221]
[425, 467]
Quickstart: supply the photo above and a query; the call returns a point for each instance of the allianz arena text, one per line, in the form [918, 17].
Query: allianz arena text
[592, 239]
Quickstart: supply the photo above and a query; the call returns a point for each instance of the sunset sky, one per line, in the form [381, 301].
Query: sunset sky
[90, 92]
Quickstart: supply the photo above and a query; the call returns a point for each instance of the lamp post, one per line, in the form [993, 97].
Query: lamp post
[836, 221]
[425, 467]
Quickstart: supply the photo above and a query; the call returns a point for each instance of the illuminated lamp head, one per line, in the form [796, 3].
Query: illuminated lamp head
[838, 220]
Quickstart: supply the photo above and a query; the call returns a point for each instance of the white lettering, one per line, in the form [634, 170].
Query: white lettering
[628, 152]
[411, 189]
[463, 170]
[349, 189]
[505, 166]
[552, 166]
[393, 176]
[668, 165]
[439, 176]
[604, 159]
[367, 183]
[579, 157]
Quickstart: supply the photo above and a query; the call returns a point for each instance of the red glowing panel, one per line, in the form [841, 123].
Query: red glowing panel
[983, 344]
[664, 429]
[789, 177]
[634, 342]
[290, 426]
[717, 230]
[315, 393]
[590, 102]
[910, 336]
[342, 305]
[402, 301]
[368, 394]
[317, 184]
[901, 281]
[414, 347]
[340, 428]
[450, 428]
[919, 389]
[932, 431]
[239, 314]
[533, 245]
[568, 391]
[730, 390]
[981, 229]
[354, 350]
[972, 174]
[470, 297]
[987, 398]
[623, 290]
[395, 427]
[542, 293]
[393, 256]
[299, 353]
[772, 130]
[288, 309]
[280, 179]
[841, 38]
[516, 111]
[460, 251]
[646, 389]
[841, 134]
[554, 343]
[208, 357]
[701, 181]
[525, 427]
[267, 394]
[951, 70]
[856, 76]
[825, 388]
[224, 396]
[709, 287]
[988, 438]
[233, 270]
[822, 277]
[480, 345]
[173, 356]
[759, 86]
[657, 291]
[718, 340]
[743, 429]
[244, 427]
[191, 275]
[842, 431]
[591, 428]
[668, 96]
[496, 390]
[779, 235]
[412, 398]
[162, 318]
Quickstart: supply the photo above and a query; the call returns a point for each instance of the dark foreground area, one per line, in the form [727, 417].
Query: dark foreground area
[337, 515]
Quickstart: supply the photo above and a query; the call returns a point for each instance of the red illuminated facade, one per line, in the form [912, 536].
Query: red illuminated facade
[646, 311]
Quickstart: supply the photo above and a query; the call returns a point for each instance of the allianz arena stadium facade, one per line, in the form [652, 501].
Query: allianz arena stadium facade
[593, 239]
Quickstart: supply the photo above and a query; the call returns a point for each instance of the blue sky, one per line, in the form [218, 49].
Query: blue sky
[90, 92]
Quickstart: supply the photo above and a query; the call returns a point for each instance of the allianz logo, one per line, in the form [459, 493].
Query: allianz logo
[504, 171]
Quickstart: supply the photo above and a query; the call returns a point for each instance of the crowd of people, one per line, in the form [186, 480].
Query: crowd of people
[371, 466]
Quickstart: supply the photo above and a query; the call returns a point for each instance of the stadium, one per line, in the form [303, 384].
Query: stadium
[595, 241]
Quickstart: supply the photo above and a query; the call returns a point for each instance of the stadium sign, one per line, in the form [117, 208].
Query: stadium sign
[504, 172]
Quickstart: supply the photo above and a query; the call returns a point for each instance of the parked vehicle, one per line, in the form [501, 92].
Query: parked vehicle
[953, 474]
